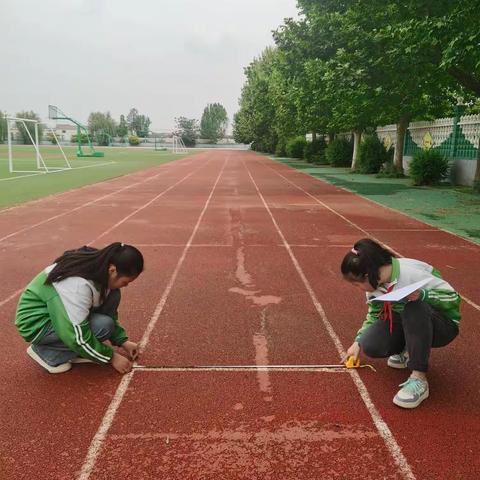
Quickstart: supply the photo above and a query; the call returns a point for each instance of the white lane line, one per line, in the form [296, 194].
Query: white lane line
[382, 427]
[97, 441]
[11, 297]
[367, 233]
[86, 204]
[18, 292]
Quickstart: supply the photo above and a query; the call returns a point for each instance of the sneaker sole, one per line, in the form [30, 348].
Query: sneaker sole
[64, 367]
[81, 360]
[402, 404]
[399, 366]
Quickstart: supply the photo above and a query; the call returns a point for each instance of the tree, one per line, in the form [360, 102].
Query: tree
[214, 122]
[122, 128]
[187, 130]
[138, 125]
[24, 136]
[101, 127]
[257, 110]
[3, 127]
[132, 115]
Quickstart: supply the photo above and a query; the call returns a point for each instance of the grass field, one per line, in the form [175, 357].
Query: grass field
[21, 187]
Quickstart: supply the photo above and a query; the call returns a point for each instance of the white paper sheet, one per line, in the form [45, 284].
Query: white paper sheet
[397, 294]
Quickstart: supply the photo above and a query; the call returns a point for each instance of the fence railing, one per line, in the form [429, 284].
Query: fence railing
[456, 137]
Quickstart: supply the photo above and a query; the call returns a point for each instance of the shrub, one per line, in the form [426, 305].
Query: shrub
[280, 150]
[295, 147]
[339, 153]
[83, 138]
[314, 152]
[372, 155]
[133, 140]
[428, 167]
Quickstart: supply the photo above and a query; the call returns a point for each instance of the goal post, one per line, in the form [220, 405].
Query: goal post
[41, 166]
[178, 146]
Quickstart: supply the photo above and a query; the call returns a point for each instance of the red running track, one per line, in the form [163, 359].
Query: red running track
[242, 268]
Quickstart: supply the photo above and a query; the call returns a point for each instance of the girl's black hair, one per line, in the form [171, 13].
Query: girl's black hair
[365, 259]
[93, 264]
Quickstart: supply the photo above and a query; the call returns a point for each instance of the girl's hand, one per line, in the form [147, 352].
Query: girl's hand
[413, 297]
[121, 364]
[131, 349]
[353, 351]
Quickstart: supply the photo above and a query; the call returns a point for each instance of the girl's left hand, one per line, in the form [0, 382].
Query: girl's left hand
[131, 348]
[413, 297]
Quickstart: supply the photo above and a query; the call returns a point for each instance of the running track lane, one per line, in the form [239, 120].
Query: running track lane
[249, 260]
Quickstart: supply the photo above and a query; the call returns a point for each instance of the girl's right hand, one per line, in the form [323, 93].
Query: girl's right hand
[353, 351]
[121, 364]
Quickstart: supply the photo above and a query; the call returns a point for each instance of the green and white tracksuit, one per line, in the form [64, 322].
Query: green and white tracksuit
[64, 306]
[405, 271]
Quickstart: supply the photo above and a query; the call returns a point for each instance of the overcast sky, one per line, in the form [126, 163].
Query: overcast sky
[167, 58]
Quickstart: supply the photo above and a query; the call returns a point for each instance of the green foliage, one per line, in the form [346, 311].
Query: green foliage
[51, 138]
[428, 167]
[133, 140]
[83, 138]
[22, 131]
[255, 121]
[122, 128]
[295, 147]
[314, 152]
[138, 125]
[372, 155]
[339, 153]
[187, 130]
[214, 122]
[101, 127]
[3, 127]
[280, 149]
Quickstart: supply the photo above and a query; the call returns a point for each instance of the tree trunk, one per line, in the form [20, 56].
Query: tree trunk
[476, 180]
[402, 126]
[357, 136]
[331, 137]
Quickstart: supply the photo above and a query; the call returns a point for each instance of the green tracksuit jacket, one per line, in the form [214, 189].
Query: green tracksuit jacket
[405, 271]
[66, 307]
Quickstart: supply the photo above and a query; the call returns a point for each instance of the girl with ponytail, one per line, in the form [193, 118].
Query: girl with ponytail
[69, 310]
[404, 331]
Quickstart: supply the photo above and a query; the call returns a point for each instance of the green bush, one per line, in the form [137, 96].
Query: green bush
[295, 146]
[339, 153]
[371, 156]
[83, 138]
[314, 152]
[280, 150]
[133, 140]
[428, 167]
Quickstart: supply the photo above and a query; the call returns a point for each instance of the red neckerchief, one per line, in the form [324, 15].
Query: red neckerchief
[387, 310]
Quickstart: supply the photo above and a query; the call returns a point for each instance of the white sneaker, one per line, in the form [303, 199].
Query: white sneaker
[63, 367]
[81, 360]
[398, 361]
[413, 392]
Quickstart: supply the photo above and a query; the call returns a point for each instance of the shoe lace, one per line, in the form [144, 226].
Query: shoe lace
[413, 385]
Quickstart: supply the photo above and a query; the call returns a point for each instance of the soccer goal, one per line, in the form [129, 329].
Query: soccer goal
[178, 146]
[41, 166]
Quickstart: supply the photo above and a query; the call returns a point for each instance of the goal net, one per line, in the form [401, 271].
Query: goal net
[178, 146]
[21, 162]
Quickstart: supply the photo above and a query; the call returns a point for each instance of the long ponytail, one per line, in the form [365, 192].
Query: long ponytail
[365, 260]
[93, 264]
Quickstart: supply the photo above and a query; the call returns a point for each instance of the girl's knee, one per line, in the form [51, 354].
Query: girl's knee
[414, 311]
[102, 325]
[374, 349]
